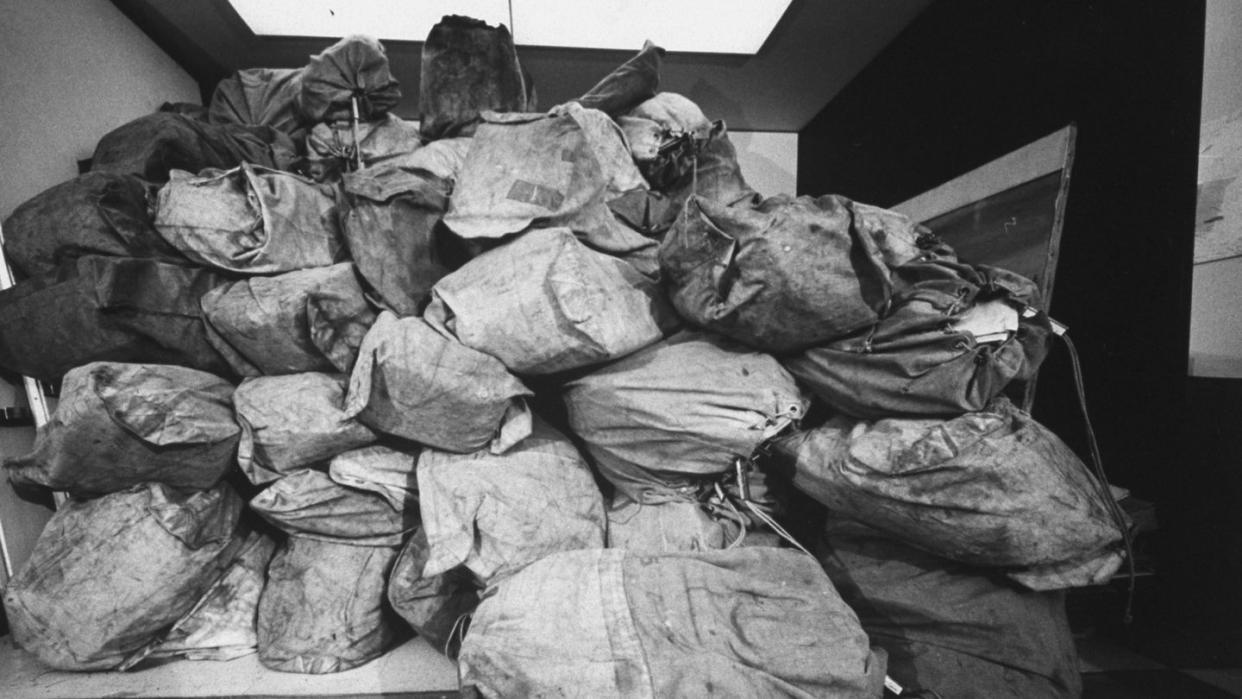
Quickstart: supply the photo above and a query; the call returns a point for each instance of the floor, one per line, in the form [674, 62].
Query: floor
[1170, 667]
[1173, 668]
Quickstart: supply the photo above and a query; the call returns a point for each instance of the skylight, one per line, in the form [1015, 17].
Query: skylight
[701, 26]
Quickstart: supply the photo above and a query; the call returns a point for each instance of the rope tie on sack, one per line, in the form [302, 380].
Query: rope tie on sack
[1096, 471]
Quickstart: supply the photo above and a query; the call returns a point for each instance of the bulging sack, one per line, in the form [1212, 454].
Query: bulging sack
[152, 146]
[545, 171]
[629, 85]
[380, 469]
[787, 274]
[119, 425]
[413, 383]
[310, 504]
[951, 339]
[323, 609]
[657, 420]
[260, 97]
[468, 67]
[108, 309]
[433, 605]
[962, 632]
[97, 213]
[107, 576]
[545, 303]
[221, 626]
[354, 67]
[393, 233]
[388, 140]
[307, 320]
[292, 422]
[495, 514]
[992, 488]
[751, 622]
[250, 219]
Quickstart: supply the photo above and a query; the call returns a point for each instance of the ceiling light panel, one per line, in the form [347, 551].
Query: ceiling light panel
[701, 26]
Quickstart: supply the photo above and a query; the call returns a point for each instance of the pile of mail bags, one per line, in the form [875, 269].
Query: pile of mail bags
[527, 384]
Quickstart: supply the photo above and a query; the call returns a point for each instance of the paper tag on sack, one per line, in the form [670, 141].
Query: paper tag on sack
[990, 321]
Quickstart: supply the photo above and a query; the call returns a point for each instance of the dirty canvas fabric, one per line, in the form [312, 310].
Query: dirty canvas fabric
[323, 608]
[921, 358]
[413, 383]
[250, 219]
[269, 325]
[433, 605]
[355, 66]
[310, 504]
[468, 67]
[545, 303]
[294, 421]
[666, 527]
[152, 146]
[389, 140]
[392, 230]
[119, 425]
[383, 470]
[260, 97]
[97, 213]
[221, 626]
[544, 171]
[495, 514]
[991, 488]
[748, 622]
[108, 309]
[787, 274]
[960, 631]
[630, 84]
[108, 575]
[657, 420]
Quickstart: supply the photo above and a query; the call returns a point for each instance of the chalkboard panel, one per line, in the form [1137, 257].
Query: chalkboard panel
[1007, 214]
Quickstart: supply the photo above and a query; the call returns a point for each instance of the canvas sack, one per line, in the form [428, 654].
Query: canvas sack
[468, 67]
[221, 626]
[97, 213]
[658, 420]
[963, 632]
[629, 85]
[323, 608]
[413, 383]
[354, 67]
[108, 575]
[749, 622]
[292, 422]
[545, 303]
[929, 354]
[393, 233]
[545, 171]
[108, 309]
[495, 514]
[152, 146]
[380, 469]
[787, 274]
[435, 606]
[250, 219]
[992, 488]
[260, 97]
[119, 425]
[309, 504]
[272, 325]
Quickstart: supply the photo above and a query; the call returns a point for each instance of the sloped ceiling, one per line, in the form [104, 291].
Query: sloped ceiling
[815, 50]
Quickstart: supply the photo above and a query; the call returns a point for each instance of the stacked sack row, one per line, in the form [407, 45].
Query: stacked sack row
[529, 384]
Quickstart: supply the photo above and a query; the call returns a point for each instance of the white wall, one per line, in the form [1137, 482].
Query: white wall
[769, 161]
[1216, 302]
[70, 71]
